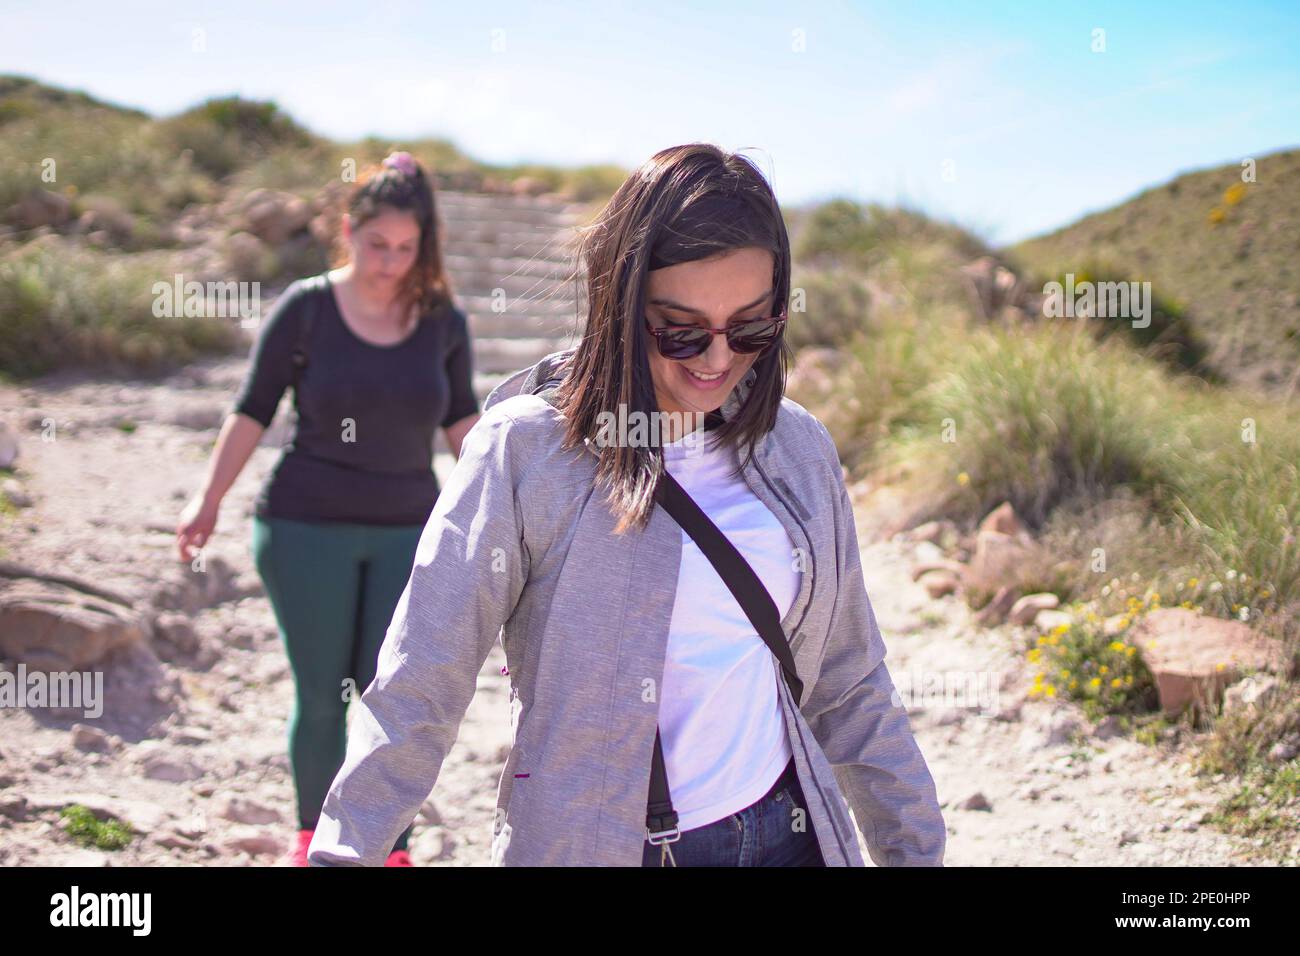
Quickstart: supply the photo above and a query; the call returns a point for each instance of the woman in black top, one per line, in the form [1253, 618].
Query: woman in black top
[385, 360]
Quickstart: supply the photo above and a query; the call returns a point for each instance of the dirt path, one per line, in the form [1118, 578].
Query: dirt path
[196, 757]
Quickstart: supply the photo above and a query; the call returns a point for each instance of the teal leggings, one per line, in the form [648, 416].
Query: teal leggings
[334, 588]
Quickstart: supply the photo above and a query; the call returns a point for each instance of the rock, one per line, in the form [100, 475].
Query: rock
[1003, 520]
[996, 610]
[529, 186]
[1052, 730]
[993, 287]
[998, 559]
[1050, 620]
[174, 631]
[934, 532]
[1194, 658]
[14, 492]
[159, 766]
[939, 583]
[274, 216]
[59, 623]
[141, 816]
[429, 813]
[1284, 750]
[190, 737]
[8, 446]
[107, 217]
[189, 590]
[1010, 713]
[1026, 610]
[976, 801]
[243, 810]
[1108, 728]
[40, 207]
[172, 840]
[13, 807]
[953, 567]
[1128, 836]
[255, 843]
[93, 740]
[1251, 696]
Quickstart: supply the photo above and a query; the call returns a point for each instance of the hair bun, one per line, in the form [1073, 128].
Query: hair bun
[403, 162]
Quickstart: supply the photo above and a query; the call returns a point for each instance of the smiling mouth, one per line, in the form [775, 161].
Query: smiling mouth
[706, 382]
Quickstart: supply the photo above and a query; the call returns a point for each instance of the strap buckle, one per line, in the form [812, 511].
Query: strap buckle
[670, 835]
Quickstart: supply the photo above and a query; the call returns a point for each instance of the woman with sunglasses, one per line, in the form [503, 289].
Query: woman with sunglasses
[658, 720]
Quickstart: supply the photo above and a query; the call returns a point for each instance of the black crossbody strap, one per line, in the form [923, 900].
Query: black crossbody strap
[319, 288]
[754, 600]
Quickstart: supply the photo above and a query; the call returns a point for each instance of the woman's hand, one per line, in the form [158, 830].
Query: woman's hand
[197, 522]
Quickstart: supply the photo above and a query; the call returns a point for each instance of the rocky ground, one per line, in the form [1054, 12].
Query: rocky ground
[191, 747]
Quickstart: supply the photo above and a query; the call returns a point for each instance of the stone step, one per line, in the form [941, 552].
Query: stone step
[507, 325]
[502, 355]
[495, 265]
[545, 239]
[512, 287]
[544, 244]
[556, 303]
[527, 214]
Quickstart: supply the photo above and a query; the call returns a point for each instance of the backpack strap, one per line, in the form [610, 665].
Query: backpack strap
[317, 288]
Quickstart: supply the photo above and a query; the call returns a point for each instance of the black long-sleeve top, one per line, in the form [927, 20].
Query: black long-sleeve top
[362, 449]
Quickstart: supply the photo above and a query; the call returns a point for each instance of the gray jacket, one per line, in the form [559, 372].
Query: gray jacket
[520, 544]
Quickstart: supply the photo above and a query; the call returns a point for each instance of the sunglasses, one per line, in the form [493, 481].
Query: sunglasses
[687, 341]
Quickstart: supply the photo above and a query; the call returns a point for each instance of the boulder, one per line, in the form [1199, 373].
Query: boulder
[1002, 548]
[274, 216]
[57, 623]
[924, 567]
[1194, 658]
[40, 207]
[939, 583]
[1004, 520]
[1026, 610]
[1251, 696]
[996, 611]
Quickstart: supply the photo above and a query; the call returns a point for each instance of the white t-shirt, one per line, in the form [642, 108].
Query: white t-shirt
[720, 719]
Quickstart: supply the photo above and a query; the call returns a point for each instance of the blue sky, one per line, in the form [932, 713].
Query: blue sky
[995, 115]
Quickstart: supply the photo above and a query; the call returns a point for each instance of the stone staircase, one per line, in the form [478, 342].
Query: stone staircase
[510, 259]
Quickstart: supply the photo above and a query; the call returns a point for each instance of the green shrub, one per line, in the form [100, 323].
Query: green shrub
[63, 305]
[82, 825]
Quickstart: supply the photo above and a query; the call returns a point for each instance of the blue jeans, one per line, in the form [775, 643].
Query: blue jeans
[775, 830]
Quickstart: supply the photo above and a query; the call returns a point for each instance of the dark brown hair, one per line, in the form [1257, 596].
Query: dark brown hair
[382, 187]
[685, 203]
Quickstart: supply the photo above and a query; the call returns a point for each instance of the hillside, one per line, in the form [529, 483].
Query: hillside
[1226, 251]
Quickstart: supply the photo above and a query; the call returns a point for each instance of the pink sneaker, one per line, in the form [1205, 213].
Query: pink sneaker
[399, 858]
[299, 855]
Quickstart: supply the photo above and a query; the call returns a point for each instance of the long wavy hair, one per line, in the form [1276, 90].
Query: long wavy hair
[685, 203]
[380, 187]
